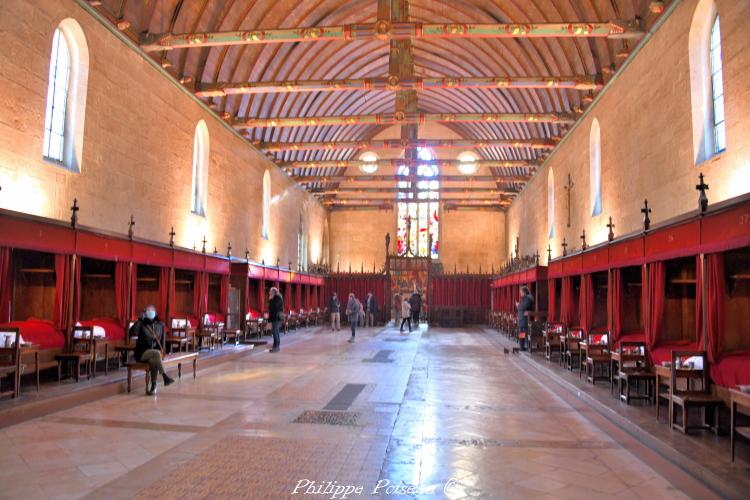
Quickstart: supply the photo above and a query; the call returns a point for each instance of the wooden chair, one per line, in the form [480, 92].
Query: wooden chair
[10, 361]
[107, 350]
[572, 353]
[82, 352]
[739, 402]
[552, 339]
[633, 371]
[231, 331]
[692, 398]
[597, 356]
[207, 334]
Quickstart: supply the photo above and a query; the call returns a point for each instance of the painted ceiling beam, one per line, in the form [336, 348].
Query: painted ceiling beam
[279, 147]
[392, 190]
[342, 201]
[309, 179]
[400, 118]
[394, 84]
[401, 162]
[386, 30]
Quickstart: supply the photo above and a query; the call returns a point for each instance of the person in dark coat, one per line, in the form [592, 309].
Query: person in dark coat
[275, 316]
[416, 307]
[371, 309]
[353, 311]
[335, 306]
[523, 307]
[148, 348]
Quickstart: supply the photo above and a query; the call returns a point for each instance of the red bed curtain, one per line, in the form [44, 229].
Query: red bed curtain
[615, 305]
[656, 294]
[567, 302]
[121, 292]
[200, 294]
[6, 284]
[587, 302]
[715, 287]
[700, 344]
[224, 297]
[165, 275]
[133, 289]
[62, 291]
[551, 308]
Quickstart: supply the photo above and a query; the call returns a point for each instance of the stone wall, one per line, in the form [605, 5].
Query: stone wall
[137, 149]
[646, 142]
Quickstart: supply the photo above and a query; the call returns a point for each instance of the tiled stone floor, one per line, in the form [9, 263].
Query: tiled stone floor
[446, 416]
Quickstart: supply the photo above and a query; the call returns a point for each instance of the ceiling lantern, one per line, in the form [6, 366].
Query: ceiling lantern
[467, 163]
[370, 165]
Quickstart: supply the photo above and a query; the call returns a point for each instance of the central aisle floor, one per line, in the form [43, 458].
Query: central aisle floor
[443, 412]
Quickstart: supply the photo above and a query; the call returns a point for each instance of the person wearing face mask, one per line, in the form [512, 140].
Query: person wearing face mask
[148, 347]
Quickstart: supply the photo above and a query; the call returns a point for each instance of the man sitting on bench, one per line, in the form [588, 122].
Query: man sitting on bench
[148, 347]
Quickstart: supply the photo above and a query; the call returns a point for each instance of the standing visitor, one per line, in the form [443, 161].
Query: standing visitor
[275, 316]
[396, 309]
[523, 306]
[416, 306]
[335, 306]
[405, 314]
[353, 310]
[371, 308]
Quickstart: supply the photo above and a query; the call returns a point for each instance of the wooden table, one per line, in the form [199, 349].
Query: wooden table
[738, 399]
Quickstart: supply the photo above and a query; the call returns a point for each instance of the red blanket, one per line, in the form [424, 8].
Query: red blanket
[732, 370]
[112, 329]
[39, 332]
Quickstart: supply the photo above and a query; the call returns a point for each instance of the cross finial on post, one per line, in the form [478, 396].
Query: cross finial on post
[611, 226]
[583, 240]
[131, 223]
[229, 249]
[74, 213]
[247, 255]
[646, 219]
[549, 253]
[278, 263]
[204, 245]
[564, 246]
[536, 255]
[216, 250]
[702, 187]
[171, 237]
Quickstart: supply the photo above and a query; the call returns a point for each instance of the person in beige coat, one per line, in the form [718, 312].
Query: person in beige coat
[405, 314]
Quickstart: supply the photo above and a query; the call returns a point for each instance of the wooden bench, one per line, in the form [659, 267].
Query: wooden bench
[167, 361]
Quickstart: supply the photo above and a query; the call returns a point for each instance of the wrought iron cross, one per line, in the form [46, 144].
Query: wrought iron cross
[204, 245]
[74, 213]
[536, 256]
[247, 255]
[216, 250]
[702, 187]
[171, 237]
[569, 188]
[646, 219]
[611, 226]
[518, 241]
[229, 249]
[549, 253]
[583, 240]
[131, 223]
[564, 246]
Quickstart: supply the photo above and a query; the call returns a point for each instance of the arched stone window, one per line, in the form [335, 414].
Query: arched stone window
[200, 169]
[551, 204]
[266, 205]
[595, 168]
[370, 166]
[66, 96]
[706, 82]
[468, 162]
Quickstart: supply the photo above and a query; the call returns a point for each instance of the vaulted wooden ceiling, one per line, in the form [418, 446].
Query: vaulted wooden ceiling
[303, 76]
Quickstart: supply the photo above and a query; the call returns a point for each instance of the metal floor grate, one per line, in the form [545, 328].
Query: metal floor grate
[327, 417]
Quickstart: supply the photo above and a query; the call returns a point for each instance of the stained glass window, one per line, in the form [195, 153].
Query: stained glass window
[418, 212]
